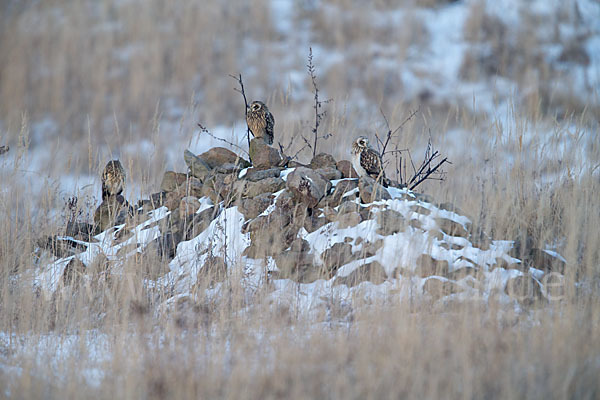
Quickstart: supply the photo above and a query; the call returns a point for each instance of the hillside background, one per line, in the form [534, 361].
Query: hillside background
[507, 89]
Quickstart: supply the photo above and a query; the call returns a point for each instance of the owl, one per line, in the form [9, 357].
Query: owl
[260, 121]
[113, 179]
[367, 161]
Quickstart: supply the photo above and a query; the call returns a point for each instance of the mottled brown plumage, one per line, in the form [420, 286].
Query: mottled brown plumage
[113, 179]
[367, 161]
[260, 121]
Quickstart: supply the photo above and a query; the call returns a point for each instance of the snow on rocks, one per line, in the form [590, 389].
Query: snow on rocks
[313, 237]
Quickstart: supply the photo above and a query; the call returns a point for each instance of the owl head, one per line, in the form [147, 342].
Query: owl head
[256, 106]
[360, 144]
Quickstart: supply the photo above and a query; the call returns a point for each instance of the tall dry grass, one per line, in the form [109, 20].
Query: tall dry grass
[112, 63]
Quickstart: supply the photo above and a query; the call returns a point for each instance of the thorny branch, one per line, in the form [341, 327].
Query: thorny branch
[203, 129]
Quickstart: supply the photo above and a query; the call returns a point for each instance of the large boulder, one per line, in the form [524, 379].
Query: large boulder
[219, 156]
[307, 186]
[264, 156]
[198, 167]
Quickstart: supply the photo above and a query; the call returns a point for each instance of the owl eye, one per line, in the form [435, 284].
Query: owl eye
[255, 107]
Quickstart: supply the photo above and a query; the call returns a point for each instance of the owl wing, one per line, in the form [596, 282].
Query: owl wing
[269, 127]
[371, 162]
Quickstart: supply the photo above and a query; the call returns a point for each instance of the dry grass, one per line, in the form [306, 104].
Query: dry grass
[531, 177]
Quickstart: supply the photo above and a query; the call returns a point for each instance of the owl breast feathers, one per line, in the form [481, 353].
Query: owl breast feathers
[260, 121]
[113, 179]
[367, 161]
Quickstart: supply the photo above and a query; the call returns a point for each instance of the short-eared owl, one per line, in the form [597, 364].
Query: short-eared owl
[260, 121]
[367, 161]
[113, 179]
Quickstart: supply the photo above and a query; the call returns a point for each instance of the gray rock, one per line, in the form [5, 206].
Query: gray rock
[390, 222]
[439, 288]
[270, 240]
[254, 175]
[172, 181]
[197, 166]
[228, 168]
[199, 223]
[329, 173]
[429, 266]
[451, 228]
[336, 256]
[371, 272]
[73, 271]
[188, 206]
[297, 266]
[348, 220]
[335, 198]
[81, 231]
[347, 207]
[219, 156]
[263, 155]
[313, 223]
[346, 168]
[322, 160]
[420, 209]
[371, 191]
[253, 189]
[307, 186]
[252, 207]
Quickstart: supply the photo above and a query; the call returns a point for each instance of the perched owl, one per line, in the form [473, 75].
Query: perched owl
[367, 161]
[260, 121]
[113, 179]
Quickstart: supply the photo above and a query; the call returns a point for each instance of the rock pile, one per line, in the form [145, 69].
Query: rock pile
[308, 224]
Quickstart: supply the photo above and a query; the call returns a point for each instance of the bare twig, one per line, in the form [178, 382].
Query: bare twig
[203, 129]
[243, 93]
[391, 133]
[428, 174]
[318, 103]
